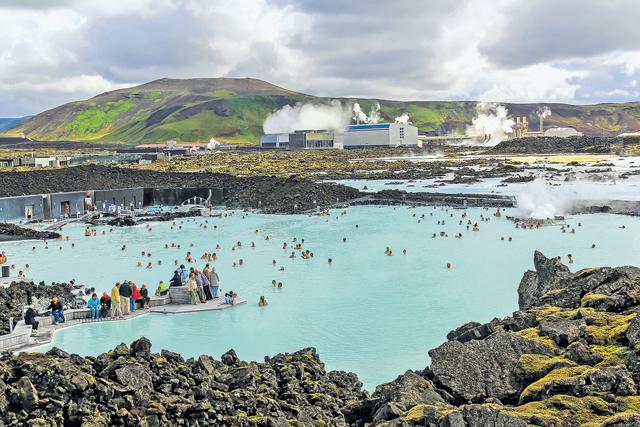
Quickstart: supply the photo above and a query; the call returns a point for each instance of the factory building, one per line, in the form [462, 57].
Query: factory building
[302, 140]
[380, 135]
[275, 140]
[354, 136]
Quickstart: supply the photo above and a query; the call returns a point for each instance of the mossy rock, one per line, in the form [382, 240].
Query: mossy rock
[555, 313]
[561, 410]
[533, 389]
[532, 334]
[535, 366]
[613, 354]
[606, 328]
[589, 299]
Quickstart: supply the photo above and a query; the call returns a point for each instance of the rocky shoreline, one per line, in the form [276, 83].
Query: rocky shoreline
[9, 232]
[17, 295]
[567, 357]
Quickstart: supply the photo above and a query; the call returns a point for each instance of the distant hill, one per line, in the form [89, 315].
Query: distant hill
[233, 110]
[10, 123]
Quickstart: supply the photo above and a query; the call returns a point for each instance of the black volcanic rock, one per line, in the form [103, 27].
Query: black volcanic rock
[15, 232]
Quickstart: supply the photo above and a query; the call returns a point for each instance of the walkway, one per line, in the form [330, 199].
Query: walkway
[216, 304]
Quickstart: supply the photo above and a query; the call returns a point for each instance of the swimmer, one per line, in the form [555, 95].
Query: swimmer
[293, 255]
[329, 260]
[241, 262]
[390, 253]
[404, 252]
[234, 264]
[139, 264]
[279, 284]
[124, 247]
[344, 240]
[253, 244]
[593, 246]
[149, 266]
[273, 262]
[449, 265]
[274, 283]
[570, 257]
[263, 301]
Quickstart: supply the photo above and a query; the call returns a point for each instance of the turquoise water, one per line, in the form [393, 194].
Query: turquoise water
[366, 312]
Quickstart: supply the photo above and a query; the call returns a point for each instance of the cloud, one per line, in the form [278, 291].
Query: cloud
[541, 31]
[570, 51]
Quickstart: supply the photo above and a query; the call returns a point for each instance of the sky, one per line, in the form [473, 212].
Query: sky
[574, 51]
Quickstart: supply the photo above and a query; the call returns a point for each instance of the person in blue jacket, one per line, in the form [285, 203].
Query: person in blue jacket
[184, 274]
[94, 306]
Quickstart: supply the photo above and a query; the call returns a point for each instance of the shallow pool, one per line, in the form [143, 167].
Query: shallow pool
[366, 312]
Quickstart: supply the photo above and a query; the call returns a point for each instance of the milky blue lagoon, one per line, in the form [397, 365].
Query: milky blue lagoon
[367, 313]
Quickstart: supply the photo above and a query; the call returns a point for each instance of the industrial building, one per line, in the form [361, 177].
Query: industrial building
[302, 140]
[354, 136]
[380, 135]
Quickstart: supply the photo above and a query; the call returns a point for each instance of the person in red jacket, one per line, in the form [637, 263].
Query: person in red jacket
[135, 296]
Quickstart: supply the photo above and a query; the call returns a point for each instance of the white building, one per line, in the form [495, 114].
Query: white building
[381, 135]
[562, 132]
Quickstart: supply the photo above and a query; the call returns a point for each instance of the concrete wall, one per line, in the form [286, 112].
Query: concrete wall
[122, 196]
[75, 199]
[175, 196]
[15, 208]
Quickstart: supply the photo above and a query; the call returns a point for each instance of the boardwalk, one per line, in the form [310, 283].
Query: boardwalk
[192, 308]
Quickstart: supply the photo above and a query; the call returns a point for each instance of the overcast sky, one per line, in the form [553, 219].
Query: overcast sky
[576, 51]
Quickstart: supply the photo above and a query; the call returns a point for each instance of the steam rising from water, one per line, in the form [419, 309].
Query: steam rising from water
[491, 124]
[539, 200]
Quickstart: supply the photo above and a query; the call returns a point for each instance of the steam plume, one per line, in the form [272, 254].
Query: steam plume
[360, 116]
[491, 123]
[332, 116]
[543, 112]
[403, 118]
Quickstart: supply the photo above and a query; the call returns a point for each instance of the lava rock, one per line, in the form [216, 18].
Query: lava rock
[478, 369]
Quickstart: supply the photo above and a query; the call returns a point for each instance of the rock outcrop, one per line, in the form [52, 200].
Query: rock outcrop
[15, 232]
[17, 295]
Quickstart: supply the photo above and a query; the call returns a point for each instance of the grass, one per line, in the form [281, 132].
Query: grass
[94, 123]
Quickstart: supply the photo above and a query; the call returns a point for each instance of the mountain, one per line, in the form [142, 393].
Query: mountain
[11, 122]
[233, 110]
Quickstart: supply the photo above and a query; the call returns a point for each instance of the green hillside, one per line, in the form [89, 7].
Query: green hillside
[232, 110]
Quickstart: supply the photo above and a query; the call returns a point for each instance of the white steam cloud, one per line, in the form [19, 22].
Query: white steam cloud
[403, 118]
[332, 116]
[539, 200]
[543, 112]
[360, 116]
[491, 125]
